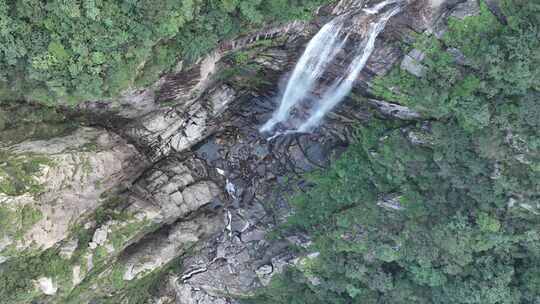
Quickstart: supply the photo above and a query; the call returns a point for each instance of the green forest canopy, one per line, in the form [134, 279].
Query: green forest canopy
[73, 50]
[467, 182]
[468, 230]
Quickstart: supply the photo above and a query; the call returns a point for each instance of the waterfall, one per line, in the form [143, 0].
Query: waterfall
[343, 86]
[319, 53]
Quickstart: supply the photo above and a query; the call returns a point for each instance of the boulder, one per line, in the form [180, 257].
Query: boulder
[47, 286]
[412, 63]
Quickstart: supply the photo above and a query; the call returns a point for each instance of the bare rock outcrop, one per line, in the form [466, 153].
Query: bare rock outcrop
[174, 189]
[164, 246]
[49, 185]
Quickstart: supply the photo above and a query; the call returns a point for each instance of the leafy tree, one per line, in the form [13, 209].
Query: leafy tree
[68, 51]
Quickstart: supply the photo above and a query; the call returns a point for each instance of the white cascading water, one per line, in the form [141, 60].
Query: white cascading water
[343, 86]
[321, 50]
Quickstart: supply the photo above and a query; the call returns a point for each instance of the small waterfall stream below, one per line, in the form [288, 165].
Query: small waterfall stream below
[307, 74]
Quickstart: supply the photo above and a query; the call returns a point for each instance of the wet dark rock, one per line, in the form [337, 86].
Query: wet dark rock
[209, 151]
[459, 57]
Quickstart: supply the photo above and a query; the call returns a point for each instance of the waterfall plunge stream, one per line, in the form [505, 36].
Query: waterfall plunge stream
[319, 53]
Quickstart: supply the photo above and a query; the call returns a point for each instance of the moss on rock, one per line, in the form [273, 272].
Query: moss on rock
[18, 172]
[16, 220]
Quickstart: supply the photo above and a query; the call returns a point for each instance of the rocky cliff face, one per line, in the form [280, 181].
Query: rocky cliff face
[175, 185]
[58, 181]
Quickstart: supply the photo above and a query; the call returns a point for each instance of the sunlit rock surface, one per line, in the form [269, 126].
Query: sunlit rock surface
[70, 174]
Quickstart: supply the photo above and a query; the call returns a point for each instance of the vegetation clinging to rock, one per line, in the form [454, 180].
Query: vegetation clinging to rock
[19, 172]
[453, 220]
[58, 51]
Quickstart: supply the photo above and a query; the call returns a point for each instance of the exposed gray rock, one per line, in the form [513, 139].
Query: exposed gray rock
[390, 201]
[76, 275]
[454, 8]
[221, 98]
[170, 130]
[186, 294]
[419, 136]
[395, 110]
[161, 248]
[100, 236]
[412, 63]
[173, 189]
[200, 194]
[459, 57]
[68, 248]
[273, 59]
[344, 6]
[253, 235]
[231, 272]
[79, 168]
[264, 273]
[466, 9]
[47, 286]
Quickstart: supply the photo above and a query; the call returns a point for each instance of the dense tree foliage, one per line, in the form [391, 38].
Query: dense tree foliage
[68, 51]
[441, 211]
